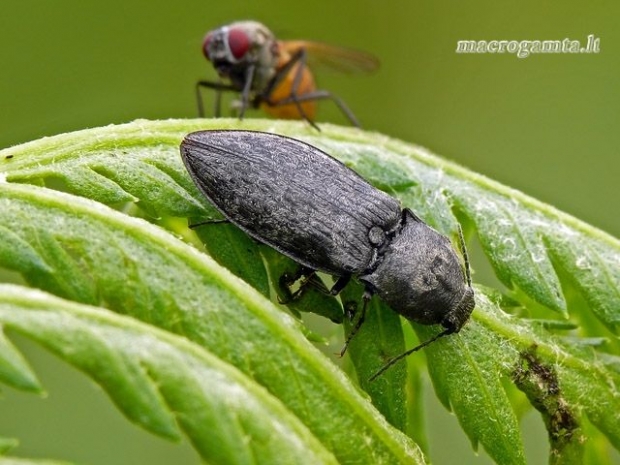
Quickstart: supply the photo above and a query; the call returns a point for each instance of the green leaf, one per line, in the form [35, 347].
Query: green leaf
[466, 372]
[518, 233]
[554, 266]
[379, 339]
[22, 461]
[112, 173]
[95, 255]
[235, 250]
[6, 444]
[165, 383]
[14, 370]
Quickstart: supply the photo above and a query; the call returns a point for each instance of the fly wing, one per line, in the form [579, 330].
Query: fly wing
[346, 60]
[291, 196]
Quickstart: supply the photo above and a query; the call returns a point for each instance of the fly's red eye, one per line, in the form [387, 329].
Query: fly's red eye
[205, 44]
[239, 42]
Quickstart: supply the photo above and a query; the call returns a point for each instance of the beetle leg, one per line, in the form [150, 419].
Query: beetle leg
[360, 320]
[287, 279]
[309, 278]
[340, 284]
[305, 276]
[219, 87]
[211, 221]
[350, 309]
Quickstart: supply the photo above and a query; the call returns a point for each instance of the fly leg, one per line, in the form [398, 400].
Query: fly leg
[245, 93]
[320, 95]
[218, 87]
[295, 98]
[299, 58]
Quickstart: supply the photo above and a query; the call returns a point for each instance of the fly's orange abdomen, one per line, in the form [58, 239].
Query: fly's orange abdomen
[284, 90]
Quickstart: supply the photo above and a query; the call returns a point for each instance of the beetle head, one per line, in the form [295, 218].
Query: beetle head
[420, 277]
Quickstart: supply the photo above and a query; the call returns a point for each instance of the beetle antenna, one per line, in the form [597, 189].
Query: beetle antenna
[465, 256]
[409, 352]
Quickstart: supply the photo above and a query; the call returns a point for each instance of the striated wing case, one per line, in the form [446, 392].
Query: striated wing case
[291, 196]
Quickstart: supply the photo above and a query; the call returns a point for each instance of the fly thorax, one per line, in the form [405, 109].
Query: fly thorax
[265, 56]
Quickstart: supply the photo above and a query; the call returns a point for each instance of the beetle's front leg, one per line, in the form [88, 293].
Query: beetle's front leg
[360, 320]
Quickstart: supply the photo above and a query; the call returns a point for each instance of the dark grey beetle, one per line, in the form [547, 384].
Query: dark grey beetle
[312, 208]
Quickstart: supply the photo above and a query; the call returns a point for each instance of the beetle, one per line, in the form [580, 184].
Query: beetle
[273, 74]
[309, 206]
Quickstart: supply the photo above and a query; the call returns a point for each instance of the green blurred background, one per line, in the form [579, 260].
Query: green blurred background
[546, 124]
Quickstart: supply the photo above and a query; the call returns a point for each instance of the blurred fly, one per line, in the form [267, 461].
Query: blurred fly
[273, 74]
